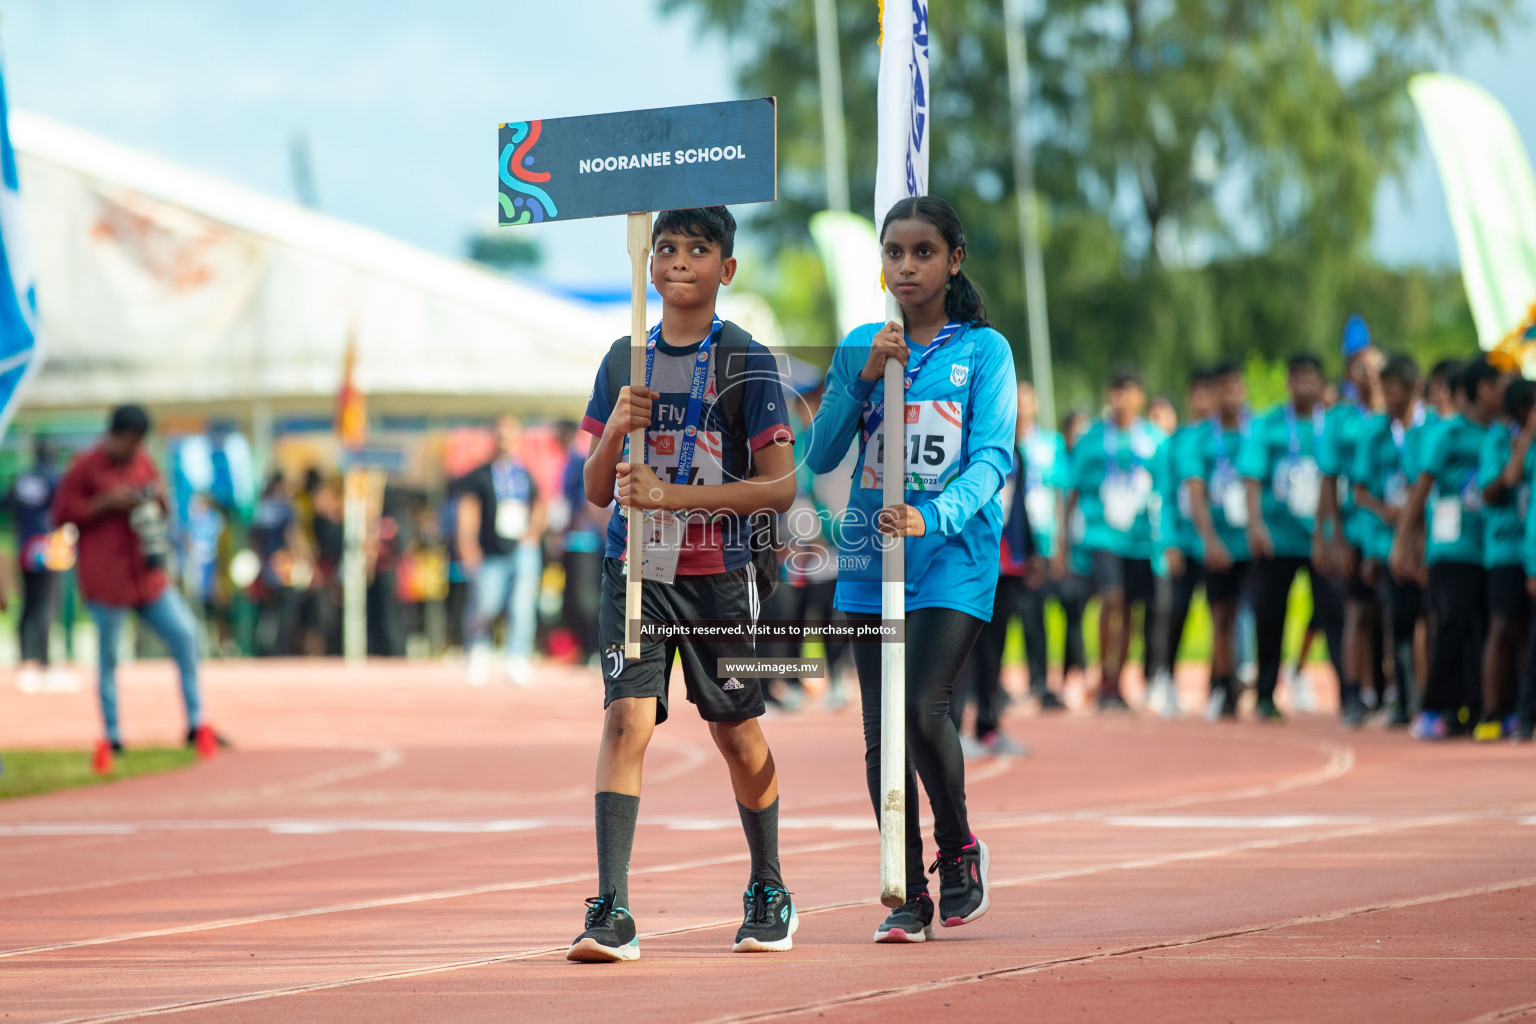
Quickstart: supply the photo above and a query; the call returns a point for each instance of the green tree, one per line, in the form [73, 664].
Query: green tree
[1207, 167]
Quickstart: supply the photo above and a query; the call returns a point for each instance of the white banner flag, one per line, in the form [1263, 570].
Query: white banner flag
[902, 167]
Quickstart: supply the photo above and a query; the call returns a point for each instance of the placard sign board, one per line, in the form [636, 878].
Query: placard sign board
[669, 158]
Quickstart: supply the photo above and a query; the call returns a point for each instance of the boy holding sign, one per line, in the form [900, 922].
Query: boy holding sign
[718, 449]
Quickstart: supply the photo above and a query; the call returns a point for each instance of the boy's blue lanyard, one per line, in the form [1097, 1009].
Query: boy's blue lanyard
[1112, 465]
[1294, 440]
[877, 414]
[504, 478]
[1219, 438]
[695, 396]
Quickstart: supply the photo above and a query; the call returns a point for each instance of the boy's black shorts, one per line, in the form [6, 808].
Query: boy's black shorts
[1226, 585]
[1132, 576]
[728, 596]
[1506, 590]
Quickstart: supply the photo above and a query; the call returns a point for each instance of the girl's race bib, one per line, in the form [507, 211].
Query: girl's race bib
[932, 448]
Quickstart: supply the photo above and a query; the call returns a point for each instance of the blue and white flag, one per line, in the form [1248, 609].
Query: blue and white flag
[20, 351]
[902, 127]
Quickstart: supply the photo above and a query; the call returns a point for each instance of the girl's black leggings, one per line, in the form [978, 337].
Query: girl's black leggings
[938, 640]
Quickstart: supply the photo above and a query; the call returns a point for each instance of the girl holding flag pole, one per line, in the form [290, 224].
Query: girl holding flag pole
[958, 448]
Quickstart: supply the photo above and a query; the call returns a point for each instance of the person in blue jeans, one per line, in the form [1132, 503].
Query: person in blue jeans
[500, 520]
[114, 496]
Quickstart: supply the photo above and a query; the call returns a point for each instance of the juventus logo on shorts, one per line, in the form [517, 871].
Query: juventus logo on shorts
[615, 658]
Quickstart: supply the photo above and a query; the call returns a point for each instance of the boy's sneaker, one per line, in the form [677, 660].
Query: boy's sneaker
[610, 934]
[1489, 730]
[1300, 688]
[769, 921]
[910, 922]
[1113, 703]
[1430, 725]
[963, 893]
[1267, 711]
[1050, 702]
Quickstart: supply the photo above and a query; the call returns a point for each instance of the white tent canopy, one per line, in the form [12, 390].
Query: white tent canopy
[161, 285]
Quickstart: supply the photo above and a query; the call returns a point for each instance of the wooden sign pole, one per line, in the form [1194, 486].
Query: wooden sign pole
[893, 656]
[639, 261]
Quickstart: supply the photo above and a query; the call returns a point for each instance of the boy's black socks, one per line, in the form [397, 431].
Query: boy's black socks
[616, 816]
[762, 829]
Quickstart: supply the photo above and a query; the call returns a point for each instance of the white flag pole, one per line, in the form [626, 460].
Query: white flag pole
[639, 253]
[901, 171]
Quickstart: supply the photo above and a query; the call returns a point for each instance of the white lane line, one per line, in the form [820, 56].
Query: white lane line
[393, 901]
[976, 977]
[1336, 766]
[671, 822]
[1130, 865]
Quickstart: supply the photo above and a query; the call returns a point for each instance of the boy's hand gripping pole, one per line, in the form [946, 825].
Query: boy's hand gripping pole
[893, 656]
[639, 251]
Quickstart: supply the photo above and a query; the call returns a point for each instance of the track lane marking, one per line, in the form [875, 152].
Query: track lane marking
[871, 995]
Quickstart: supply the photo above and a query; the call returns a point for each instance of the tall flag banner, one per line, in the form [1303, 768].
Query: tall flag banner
[1491, 195]
[20, 347]
[351, 407]
[902, 124]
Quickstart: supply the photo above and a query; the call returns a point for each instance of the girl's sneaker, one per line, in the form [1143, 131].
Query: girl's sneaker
[963, 893]
[910, 922]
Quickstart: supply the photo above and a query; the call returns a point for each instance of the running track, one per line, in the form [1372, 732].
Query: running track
[388, 844]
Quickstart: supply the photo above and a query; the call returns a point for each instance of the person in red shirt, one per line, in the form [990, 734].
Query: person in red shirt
[114, 496]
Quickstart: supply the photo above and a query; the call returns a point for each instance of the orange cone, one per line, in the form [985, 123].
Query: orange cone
[207, 743]
[101, 761]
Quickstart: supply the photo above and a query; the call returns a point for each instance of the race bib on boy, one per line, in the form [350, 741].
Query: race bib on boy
[511, 518]
[1234, 503]
[1303, 487]
[666, 445]
[1125, 497]
[932, 456]
[1447, 527]
[1040, 502]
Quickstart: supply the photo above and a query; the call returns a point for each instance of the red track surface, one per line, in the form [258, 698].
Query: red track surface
[391, 845]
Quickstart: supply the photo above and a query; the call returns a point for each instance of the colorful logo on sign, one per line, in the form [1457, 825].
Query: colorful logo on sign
[533, 204]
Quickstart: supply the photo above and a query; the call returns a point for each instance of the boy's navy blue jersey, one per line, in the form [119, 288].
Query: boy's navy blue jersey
[719, 542]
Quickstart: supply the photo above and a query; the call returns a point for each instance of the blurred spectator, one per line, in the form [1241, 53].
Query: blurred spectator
[585, 527]
[43, 552]
[386, 618]
[324, 618]
[500, 521]
[284, 572]
[114, 496]
[201, 563]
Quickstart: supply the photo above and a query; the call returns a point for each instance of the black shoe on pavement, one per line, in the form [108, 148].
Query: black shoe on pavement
[1113, 702]
[963, 884]
[769, 921]
[610, 934]
[1050, 702]
[1268, 712]
[910, 922]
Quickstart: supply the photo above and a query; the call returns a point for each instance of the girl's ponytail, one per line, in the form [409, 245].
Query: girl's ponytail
[963, 301]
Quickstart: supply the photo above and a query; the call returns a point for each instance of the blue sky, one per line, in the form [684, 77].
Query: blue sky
[400, 99]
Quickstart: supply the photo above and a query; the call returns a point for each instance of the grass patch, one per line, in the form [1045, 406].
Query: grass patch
[29, 772]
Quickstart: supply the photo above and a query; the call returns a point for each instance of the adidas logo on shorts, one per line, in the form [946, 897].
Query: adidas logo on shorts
[733, 684]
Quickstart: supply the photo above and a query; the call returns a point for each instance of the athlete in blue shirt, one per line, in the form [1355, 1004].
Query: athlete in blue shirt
[958, 426]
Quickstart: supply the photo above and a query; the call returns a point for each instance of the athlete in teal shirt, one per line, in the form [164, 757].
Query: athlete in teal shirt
[1382, 470]
[1447, 468]
[1506, 488]
[1279, 467]
[1218, 512]
[1111, 484]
